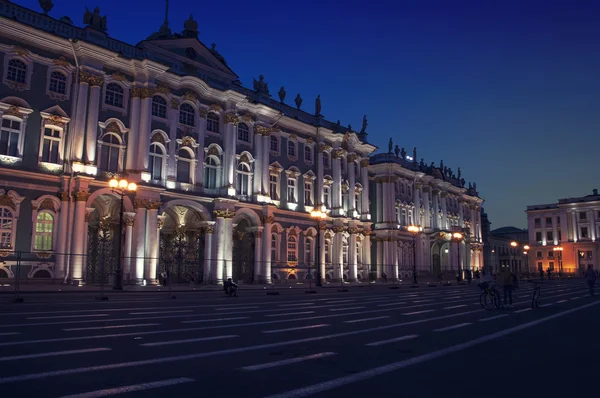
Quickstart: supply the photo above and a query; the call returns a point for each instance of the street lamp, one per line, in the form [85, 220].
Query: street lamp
[514, 245]
[458, 237]
[414, 230]
[320, 217]
[526, 253]
[121, 188]
[559, 249]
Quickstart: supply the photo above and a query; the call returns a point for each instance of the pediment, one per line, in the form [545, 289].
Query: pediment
[56, 111]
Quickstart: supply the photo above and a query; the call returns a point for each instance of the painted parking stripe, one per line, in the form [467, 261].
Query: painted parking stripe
[138, 325]
[275, 364]
[300, 328]
[67, 316]
[491, 318]
[455, 306]
[391, 304]
[291, 313]
[53, 354]
[131, 388]
[418, 312]
[234, 309]
[216, 320]
[158, 312]
[294, 305]
[171, 342]
[345, 309]
[523, 310]
[366, 319]
[339, 301]
[460, 325]
[382, 342]
[9, 333]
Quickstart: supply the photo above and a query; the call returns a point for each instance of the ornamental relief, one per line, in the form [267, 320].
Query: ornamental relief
[231, 118]
[91, 79]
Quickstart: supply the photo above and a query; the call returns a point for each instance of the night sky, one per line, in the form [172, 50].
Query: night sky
[507, 90]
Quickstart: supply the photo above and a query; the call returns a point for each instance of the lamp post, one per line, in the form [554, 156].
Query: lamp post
[414, 230]
[559, 249]
[121, 188]
[457, 236]
[320, 217]
[514, 245]
[526, 253]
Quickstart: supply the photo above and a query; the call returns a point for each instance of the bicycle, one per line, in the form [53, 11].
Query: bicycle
[490, 297]
[535, 299]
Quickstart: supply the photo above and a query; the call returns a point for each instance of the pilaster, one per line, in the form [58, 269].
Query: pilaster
[91, 135]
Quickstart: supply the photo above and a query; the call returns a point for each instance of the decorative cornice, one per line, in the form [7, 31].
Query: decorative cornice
[118, 77]
[136, 92]
[154, 205]
[147, 92]
[188, 141]
[231, 118]
[338, 230]
[7, 201]
[163, 89]
[309, 141]
[262, 130]
[353, 231]
[158, 138]
[140, 203]
[54, 120]
[20, 50]
[324, 147]
[248, 117]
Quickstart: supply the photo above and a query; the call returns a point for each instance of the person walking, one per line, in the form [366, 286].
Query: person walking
[590, 276]
[506, 280]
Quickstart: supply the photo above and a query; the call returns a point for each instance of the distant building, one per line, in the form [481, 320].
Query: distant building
[564, 235]
[498, 250]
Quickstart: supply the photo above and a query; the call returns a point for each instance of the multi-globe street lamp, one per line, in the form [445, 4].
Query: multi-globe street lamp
[320, 217]
[120, 187]
[414, 230]
[457, 236]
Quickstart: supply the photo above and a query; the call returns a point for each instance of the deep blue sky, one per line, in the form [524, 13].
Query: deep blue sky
[509, 90]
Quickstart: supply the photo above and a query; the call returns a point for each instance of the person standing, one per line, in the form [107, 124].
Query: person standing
[506, 279]
[590, 276]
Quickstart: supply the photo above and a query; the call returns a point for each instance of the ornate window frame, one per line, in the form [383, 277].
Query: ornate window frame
[20, 113]
[244, 159]
[292, 189]
[216, 152]
[69, 82]
[275, 170]
[277, 137]
[24, 56]
[191, 161]
[216, 120]
[194, 113]
[167, 108]
[50, 204]
[115, 127]
[58, 123]
[250, 133]
[125, 85]
[11, 200]
[309, 148]
[292, 146]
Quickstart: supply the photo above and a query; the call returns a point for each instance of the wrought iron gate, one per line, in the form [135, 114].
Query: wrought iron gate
[182, 255]
[243, 256]
[100, 254]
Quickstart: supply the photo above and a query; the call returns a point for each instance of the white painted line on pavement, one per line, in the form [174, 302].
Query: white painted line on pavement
[454, 306]
[491, 318]
[294, 305]
[111, 327]
[460, 325]
[453, 297]
[171, 342]
[234, 309]
[288, 361]
[422, 301]
[377, 343]
[391, 304]
[53, 354]
[366, 319]
[546, 305]
[417, 312]
[345, 309]
[575, 298]
[9, 333]
[299, 328]
[523, 310]
[216, 320]
[392, 367]
[338, 301]
[132, 388]
[561, 301]
[291, 313]
[67, 316]
[158, 312]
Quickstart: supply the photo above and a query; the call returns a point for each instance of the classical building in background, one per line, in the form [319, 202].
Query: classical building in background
[564, 236]
[505, 247]
[227, 176]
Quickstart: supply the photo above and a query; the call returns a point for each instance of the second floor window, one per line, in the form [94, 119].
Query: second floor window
[155, 162]
[307, 154]
[291, 190]
[243, 134]
[10, 136]
[17, 71]
[114, 95]
[109, 153]
[51, 145]
[43, 231]
[58, 83]
[186, 115]
[273, 183]
[291, 148]
[212, 122]
[274, 144]
[308, 194]
[159, 107]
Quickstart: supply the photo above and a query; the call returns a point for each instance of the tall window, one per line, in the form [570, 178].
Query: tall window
[273, 183]
[307, 153]
[159, 107]
[212, 122]
[345, 200]
[114, 95]
[274, 251]
[356, 201]
[243, 179]
[58, 83]
[274, 143]
[51, 145]
[156, 161]
[210, 172]
[186, 115]
[243, 134]
[345, 252]
[308, 193]
[291, 190]
[17, 71]
[43, 231]
[9, 137]
[6, 227]
[308, 257]
[292, 249]
[184, 163]
[109, 153]
[326, 197]
[291, 148]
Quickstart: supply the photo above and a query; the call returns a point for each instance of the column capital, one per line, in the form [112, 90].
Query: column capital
[352, 157]
[324, 147]
[338, 153]
[81, 196]
[91, 79]
[153, 205]
[267, 219]
[140, 203]
[364, 163]
[226, 213]
[231, 118]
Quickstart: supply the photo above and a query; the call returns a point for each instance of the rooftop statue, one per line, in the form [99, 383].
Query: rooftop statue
[94, 20]
[318, 105]
[397, 150]
[462, 182]
[190, 27]
[390, 146]
[363, 130]
[298, 101]
[442, 164]
[46, 5]
[282, 94]
[475, 187]
[403, 153]
[415, 154]
[459, 173]
[261, 86]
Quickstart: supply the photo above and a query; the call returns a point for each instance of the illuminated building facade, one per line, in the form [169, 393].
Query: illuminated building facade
[227, 176]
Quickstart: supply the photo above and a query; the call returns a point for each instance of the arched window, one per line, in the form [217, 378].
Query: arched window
[243, 179]
[327, 197]
[243, 134]
[114, 95]
[10, 135]
[212, 122]
[186, 115]
[184, 165]
[274, 143]
[43, 231]
[291, 148]
[159, 107]
[156, 161]
[274, 250]
[6, 227]
[308, 253]
[292, 249]
[58, 83]
[17, 71]
[109, 153]
[307, 153]
[345, 252]
[210, 172]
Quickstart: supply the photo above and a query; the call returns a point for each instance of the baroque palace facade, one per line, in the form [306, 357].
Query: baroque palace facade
[227, 176]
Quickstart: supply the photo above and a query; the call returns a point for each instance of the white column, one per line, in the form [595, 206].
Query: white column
[379, 256]
[461, 214]
[79, 237]
[133, 133]
[592, 227]
[228, 245]
[473, 220]
[338, 255]
[352, 270]
[143, 138]
[575, 226]
[128, 242]
[320, 176]
[61, 238]
[364, 170]
[478, 228]
[564, 228]
[352, 185]
[426, 208]
[91, 134]
[366, 253]
[209, 273]
[138, 250]
[78, 130]
[417, 201]
[152, 241]
[258, 170]
[266, 141]
[230, 120]
[199, 172]
[379, 199]
[258, 254]
[336, 191]
[436, 209]
[444, 211]
[265, 267]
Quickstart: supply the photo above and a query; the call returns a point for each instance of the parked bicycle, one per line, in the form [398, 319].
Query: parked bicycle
[490, 297]
[535, 299]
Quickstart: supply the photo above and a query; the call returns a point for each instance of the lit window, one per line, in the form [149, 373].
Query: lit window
[243, 134]
[184, 163]
[10, 135]
[6, 227]
[58, 83]
[308, 194]
[243, 180]
[43, 231]
[292, 250]
[109, 153]
[16, 71]
[210, 172]
[186, 115]
[273, 184]
[326, 197]
[114, 95]
[156, 161]
[291, 190]
[159, 107]
[51, 145]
